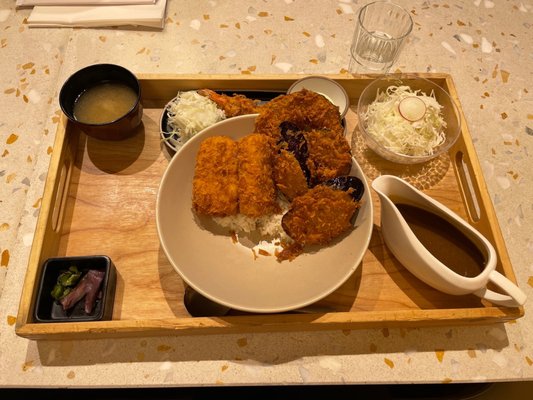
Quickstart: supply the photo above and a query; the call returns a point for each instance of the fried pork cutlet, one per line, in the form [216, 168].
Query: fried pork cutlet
[329, 154]
[288, 175]
[319, 216]
[216, 179]
[257, 192]
[305, 109]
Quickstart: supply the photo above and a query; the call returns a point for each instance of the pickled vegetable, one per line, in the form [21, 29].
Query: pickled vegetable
[66, 280]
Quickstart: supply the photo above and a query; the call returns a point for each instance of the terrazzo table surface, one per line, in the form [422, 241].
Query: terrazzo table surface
[487, 46]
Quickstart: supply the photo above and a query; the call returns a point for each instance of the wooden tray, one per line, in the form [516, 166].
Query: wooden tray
[100, 199]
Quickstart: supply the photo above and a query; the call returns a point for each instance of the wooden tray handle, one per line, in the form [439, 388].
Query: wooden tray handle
[470, 192]
[60, 194]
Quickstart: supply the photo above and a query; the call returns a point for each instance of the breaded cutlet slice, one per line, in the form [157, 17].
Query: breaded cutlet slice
[257, 192]
[215, 185]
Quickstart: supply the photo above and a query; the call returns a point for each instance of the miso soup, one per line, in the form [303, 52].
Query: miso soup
[104, 103]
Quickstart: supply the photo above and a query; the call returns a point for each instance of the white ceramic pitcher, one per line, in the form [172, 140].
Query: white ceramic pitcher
[406, 247]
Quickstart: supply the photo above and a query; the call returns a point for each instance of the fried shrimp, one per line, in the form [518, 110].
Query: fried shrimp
[237, 104]
[329, 154]
[305, 109]
[257, 192]
[215, 183]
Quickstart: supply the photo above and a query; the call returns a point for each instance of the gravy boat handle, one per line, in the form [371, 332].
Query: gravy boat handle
[514, 297]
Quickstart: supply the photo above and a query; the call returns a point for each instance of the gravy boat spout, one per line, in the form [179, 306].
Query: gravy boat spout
[399, 236]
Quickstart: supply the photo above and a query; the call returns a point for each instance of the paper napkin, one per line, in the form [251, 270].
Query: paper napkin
[149, 15]
[31, 3]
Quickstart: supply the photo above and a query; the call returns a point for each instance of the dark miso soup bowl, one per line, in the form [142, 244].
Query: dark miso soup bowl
[93, 75]
[47, 309]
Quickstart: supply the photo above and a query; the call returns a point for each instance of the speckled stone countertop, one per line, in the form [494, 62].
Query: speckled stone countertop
[487, 46]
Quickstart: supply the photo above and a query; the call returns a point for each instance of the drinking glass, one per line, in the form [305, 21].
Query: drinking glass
[380, 32]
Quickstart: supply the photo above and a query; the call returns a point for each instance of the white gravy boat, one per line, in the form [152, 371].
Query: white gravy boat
[407, 248]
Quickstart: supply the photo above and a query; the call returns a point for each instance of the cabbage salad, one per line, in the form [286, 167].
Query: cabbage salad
[188, 113]
[400, 133]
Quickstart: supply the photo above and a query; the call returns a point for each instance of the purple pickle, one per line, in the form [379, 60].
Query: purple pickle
[89, 287]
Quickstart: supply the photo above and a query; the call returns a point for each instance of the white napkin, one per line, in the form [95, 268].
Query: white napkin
[150, 15]
[31, 3]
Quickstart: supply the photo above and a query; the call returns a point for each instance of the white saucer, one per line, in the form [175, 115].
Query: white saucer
[329, 88]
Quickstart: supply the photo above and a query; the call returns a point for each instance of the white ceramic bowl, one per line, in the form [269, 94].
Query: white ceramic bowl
[450, 114]
[227, 272]
[329, 88]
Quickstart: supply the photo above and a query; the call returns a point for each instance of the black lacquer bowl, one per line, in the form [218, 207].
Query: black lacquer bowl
[88, 77]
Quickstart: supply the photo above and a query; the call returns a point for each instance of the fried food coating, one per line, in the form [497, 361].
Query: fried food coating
[216, 179]
[329, 154]
[319, 216]
[237, 104]
[306, 109]
[288, 175]
[257, 192]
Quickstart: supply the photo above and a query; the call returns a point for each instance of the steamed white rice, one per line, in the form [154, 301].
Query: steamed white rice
[268, 226]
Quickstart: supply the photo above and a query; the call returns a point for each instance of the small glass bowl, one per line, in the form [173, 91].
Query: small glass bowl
[449, 111]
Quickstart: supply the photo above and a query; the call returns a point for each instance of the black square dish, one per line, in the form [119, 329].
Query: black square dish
[48, 309]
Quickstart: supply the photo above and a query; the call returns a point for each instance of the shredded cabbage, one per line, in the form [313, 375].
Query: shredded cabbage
[386, 125]
[189, 113]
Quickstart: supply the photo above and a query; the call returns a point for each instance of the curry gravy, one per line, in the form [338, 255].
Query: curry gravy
[442, 239]
[104, 103]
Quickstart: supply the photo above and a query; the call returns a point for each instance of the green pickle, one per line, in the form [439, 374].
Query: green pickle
[57, 292]
[65, 282]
